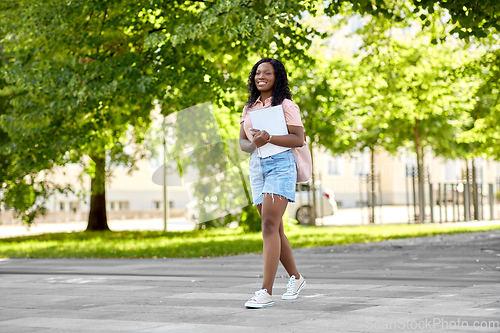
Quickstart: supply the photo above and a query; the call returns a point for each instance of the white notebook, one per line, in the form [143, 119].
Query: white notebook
[271, 120]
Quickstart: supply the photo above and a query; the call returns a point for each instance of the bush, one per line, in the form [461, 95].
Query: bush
[250, 219]
[216, 223]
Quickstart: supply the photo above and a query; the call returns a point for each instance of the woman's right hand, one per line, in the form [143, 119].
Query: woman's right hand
[260, 138]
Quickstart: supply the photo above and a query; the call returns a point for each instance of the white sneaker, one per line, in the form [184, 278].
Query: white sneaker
[261, 299]
[294, 287]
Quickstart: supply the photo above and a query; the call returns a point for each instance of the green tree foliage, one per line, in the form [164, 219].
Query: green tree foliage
[482, 134]
[322, 94]
[414, 95]
[409, 83]
[78, 80]
[83, 74]
[470, 18]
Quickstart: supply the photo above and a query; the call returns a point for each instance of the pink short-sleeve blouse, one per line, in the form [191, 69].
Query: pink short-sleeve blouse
[290, 109]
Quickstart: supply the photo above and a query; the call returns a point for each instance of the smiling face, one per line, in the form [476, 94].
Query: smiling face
[264, 77]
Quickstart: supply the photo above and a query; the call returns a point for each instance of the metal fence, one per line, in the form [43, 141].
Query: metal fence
[370, 197]
[464, 200]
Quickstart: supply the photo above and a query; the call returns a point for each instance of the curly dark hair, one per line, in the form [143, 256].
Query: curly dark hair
[280, 90]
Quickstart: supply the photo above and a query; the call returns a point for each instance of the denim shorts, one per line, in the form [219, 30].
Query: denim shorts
[276, 174]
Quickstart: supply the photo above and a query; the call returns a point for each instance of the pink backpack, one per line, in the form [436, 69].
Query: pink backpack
[303, 161]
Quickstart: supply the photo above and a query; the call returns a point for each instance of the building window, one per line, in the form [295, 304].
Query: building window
[123, 205]
[159, 204]
[361, 163]
[450, 172]
[61, 206]
[409, 161]
[111, 205]
[334, 165]
[480, 166]
[74, 206]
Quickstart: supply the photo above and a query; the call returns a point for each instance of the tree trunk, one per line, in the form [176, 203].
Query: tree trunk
[312, 221]
[475, 199]
[97, 214]
[420, 170]
[372, 190]
[166, 205]
[467, 198]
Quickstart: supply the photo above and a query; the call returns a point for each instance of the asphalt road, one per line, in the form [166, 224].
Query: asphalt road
[429, 284]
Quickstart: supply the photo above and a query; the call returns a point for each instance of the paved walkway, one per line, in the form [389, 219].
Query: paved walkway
[430, 284]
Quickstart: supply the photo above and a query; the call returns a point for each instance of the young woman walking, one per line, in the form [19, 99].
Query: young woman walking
[272, 178]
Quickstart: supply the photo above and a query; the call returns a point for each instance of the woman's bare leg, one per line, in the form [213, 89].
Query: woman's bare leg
[286, 255]
[272, 211]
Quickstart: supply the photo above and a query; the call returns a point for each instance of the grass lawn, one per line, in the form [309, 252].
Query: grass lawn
[207, 243]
